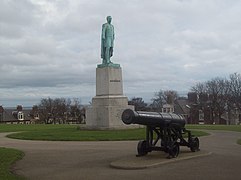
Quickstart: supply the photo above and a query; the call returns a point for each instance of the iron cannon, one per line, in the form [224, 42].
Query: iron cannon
[164, 132]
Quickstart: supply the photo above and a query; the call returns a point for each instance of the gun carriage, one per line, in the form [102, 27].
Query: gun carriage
[164, 132]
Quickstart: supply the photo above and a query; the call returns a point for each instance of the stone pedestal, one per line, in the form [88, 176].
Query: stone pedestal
[109, 81]
[109, 102]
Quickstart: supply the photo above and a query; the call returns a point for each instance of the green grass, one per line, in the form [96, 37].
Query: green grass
[70, 133]
[31, 127]
[239, 141]
[86, 135]
[236, 128]
[9, 156]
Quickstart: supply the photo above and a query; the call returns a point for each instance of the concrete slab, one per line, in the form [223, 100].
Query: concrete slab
[154, 159]
[71, 160]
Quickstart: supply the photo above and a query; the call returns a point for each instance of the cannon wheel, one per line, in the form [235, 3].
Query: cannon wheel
[142, 148]
[194, 144]
[174, 150]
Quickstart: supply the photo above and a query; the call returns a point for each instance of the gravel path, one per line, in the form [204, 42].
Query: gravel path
[91, 160]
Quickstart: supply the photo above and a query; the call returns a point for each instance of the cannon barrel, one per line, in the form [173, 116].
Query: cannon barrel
[166, 128]
[152, 118]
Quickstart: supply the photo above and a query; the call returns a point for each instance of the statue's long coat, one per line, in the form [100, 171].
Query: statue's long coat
[107, 38]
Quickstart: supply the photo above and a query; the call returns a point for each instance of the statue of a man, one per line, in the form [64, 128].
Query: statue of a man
[107, 41]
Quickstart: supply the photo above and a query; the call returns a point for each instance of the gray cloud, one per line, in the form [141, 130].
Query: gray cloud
[51, 48]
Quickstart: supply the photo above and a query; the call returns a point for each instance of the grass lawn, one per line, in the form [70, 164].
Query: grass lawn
[66, 132]
[236, 128]
[30, 127]
[7, 158]
[71, 133]
[239, 141]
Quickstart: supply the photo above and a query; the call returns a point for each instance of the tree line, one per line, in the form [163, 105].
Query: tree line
[60, 110]
[219, 95]
[160, 98]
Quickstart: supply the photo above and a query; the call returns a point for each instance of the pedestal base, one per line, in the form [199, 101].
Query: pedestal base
[106, 112]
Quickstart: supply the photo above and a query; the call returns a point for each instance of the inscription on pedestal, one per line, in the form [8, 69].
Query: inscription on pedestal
[115, 81]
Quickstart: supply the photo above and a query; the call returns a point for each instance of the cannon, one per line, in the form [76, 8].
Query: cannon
[164, 132]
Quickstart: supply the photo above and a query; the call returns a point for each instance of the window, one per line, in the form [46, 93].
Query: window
[36, 116]
[20, 116]
[201, 115]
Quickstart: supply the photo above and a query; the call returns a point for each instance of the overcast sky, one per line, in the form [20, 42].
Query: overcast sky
[50, 48]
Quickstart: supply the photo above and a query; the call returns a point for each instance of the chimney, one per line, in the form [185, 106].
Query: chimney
[35, 108]
[1, 109]
[192, 97]
[19, 108]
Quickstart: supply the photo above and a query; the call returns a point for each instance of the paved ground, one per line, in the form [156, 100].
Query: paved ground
[154, 159]
[91, 160]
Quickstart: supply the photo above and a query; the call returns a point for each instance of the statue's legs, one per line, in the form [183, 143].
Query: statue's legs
[104, 59]
[107, 55]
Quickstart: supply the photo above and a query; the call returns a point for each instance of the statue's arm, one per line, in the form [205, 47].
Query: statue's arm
[113, 33]
[103, 31]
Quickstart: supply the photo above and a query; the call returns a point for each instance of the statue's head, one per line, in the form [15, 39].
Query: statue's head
[109, 18]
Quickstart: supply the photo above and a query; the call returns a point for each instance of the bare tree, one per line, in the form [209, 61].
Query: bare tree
[170, 96]
[163, 97]
[213, 95]
[46, 110]
[199, 88]
[76, 110]
[218, 90]
[235, 90]
[139, 103]
[59, 110]
[158, 101]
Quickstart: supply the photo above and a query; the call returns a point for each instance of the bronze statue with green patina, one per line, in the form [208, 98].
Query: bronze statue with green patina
[107, 43]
